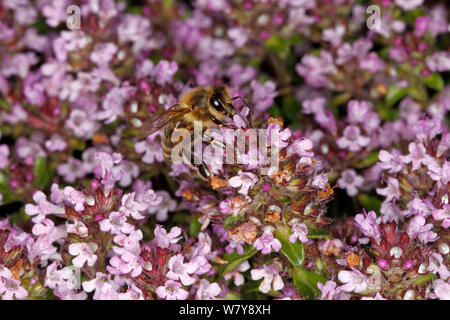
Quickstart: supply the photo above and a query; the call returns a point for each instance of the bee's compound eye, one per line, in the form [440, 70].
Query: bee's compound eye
[216, 103]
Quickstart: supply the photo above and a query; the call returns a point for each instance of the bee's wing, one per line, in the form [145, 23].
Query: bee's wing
[160, 120]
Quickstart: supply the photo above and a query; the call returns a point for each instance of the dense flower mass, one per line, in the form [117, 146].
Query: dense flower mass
[352, 104]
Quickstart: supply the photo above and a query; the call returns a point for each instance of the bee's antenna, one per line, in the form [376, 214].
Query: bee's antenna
[239, 114]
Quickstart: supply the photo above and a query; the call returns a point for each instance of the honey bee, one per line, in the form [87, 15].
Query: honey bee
[213, 106]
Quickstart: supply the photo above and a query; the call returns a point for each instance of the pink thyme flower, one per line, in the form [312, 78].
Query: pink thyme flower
[164, 71]
[334, 35]
[113, 103]
[266, 243]
[299, 231]
[245, 180]
[105, 162]
[408, 4]
[103, 53]
[352, 139]
[207, 291]
[129, 242]
[441, 289]
[180, 270]
[439, 62]
[357, 111]
[378, 296]
[276, 136]
[84, 253]
[78, 228]
[392, 191]
[330, 291]
[301, 147]
[130, 172]
[263, 94]
[152, 150]
[350, 181]
[354, 281]
[75, 198]
[417, 227]
[132, 208]
[55, 143]
[372, 63]
[16, 238]
[314, 106]
[71, 170]
[172, 291]
[82, 124]
[10, 288]
[162, 205]
[238, 278]
[417, 155]
[320, 181]
[127, 263]
[391, 161]
[43, 208]
[62, 281]
[272, 278]
[444, 215]
[42, 249]
[103, 287]
[47, 227]
[316, 70]
[4, 154]
[116, 223]
[55, 12]
[437, 265]
[133, 293]
[368, 224]
[164, 239]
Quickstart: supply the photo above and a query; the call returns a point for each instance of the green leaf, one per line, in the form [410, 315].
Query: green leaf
[369, 202]
[233, 296]
[306, 282]
[230, 220]
[417, 90]
[235, 259]
[296, 38]
[394, 94]
[293, 251]
[4, 183]
[42, 172]
[319, 233]
[340, 99]
[194, 227]
[291, 108]
[368, 161]
[423, 280]
[434, 81]
[277, 44]
[274, 111]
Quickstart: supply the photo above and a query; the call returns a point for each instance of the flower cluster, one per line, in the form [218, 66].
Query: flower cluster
[355, 115]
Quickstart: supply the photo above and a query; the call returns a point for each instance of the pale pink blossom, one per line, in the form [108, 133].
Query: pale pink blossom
[84, 254]
[272, 278]
[267, 243]
[354, 281]
[245, 180]
[172, 291]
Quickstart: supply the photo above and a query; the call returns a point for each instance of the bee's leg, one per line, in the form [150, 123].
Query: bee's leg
[207, 138]
[202, 167]
[204, 171]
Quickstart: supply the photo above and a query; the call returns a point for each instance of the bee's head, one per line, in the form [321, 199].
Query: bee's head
[220, 104]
